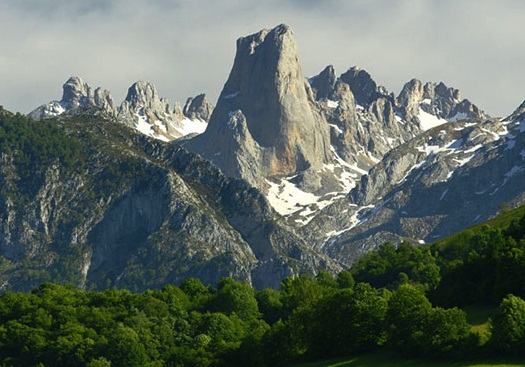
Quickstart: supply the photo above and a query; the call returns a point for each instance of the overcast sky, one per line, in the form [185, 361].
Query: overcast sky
[186, 47]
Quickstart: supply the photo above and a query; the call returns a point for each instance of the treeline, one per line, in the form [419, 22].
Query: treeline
[392, 300]
[234, 325]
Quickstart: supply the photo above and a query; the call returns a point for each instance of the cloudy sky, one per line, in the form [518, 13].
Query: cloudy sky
[186, 47]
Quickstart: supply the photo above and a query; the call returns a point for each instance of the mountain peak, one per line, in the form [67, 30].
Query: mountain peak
[362, 85]
[432, 104]
[75, 92]
[267, 85]
[142, 94]
[323, 84]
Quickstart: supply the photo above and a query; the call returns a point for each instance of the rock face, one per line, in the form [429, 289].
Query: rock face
[138, 213]
[446, 179]
[142, 109]
[362, 116]
[267, 107]
[76, 94]
[367, 121]
[150, 114]
[438, 100]
[518, 115]
[347, 164]
[198, 108]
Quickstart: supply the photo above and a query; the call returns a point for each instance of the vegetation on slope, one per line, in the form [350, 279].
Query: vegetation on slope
[403, 300]
[307, 319]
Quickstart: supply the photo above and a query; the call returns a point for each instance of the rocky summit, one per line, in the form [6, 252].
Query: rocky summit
[265, 123]
[142, 109]
[286, 175]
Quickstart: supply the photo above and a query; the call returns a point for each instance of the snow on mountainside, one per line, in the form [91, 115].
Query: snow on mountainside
[363, 119]
[346, 162]
[142, 109]
[363, 134]
[448, 178]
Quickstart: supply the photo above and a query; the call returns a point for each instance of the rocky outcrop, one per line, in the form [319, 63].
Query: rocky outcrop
[437, 100]
[323, 84]
[446, 179]
[76, 94]
[198, 108]
[364, 88]
[267, 104]
[139, 214]
[518, 115]
[142, 109]
[364, 129]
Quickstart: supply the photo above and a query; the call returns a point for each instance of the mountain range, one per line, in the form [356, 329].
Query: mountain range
[285, 175]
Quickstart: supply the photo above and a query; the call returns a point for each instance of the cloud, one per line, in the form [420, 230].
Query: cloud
[187, 46]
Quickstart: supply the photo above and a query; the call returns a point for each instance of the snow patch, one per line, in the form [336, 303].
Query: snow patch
[286, 198]
[192, 126]
[336, 128]
[332, 104]
[428, 121]
[55, 109]
[143, 124]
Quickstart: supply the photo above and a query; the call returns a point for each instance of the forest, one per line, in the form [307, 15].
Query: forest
[406, 300]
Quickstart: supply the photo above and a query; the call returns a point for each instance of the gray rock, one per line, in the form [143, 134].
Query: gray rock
[436, 99]
[104, 100]
[362, 85]
[76, 94]
[323, 84]
[142, 105]
[198, 108]
[444, 180]
[285, 132]
[361, 133]
[140, 214]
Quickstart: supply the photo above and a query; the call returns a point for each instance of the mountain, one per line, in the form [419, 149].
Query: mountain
[142, 109]
[444, 180]
[306, 142]
[401, 157]
[105, 206]
[291, 175]
[265, 123]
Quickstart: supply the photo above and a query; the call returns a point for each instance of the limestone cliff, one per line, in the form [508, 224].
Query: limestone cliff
[117, 208]
[265, 123]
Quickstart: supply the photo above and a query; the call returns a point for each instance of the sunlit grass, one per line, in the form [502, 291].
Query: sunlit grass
[383, 359]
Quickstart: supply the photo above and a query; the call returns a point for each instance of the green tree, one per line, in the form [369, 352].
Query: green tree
[347, 321]
[508, 326]
[345, 279]
[235, 297]
[124, 348]
[447, 332]
[270, 305]
[408, 312]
